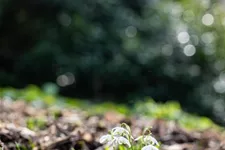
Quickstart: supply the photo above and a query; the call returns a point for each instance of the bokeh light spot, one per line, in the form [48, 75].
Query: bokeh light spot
[131, 31]
[209, 50]
[219, 65]
[207, 37]
[189, 50]
[219, 86]
[222, 76]
[205, 3]
[208, 19]
[65, 79]
[183, 37]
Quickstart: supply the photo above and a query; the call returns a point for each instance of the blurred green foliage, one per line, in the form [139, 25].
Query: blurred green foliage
[117, 49]
[36, 124]
[149, 108]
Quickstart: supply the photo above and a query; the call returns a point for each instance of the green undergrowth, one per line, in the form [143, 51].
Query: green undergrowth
[48, 97]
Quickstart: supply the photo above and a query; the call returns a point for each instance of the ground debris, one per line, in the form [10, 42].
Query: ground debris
[65, 129]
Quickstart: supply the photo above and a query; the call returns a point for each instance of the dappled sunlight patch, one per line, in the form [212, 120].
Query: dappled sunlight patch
[172, 111]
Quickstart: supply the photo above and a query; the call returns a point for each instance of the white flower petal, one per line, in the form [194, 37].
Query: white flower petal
[119, 130]
[113, 143]
[123, 140]
[149, 147]
[105, 138]
[150, 140]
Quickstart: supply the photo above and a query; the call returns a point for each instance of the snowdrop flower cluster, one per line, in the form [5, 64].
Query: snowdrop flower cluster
[118, 136]
[122, 136]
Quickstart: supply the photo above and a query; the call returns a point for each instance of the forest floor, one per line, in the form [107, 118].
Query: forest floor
[25, 127]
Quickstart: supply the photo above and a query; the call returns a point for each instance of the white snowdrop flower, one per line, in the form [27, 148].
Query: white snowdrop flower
[106, 138]
[114, 141]
[122, 136]
[147, 139]
[118, 136]
[120, 131]
[150, 140]
[122, 140]
[149, 147]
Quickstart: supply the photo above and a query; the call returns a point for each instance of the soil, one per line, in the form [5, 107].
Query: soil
[24, 126]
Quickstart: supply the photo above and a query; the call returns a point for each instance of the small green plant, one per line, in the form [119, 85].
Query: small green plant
[36, 123]
[122, 139]
[19, 146]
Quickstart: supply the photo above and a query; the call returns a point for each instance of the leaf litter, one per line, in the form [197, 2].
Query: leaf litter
[27, 127]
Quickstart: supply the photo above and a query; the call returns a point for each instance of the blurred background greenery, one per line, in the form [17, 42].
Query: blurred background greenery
[119, 50]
